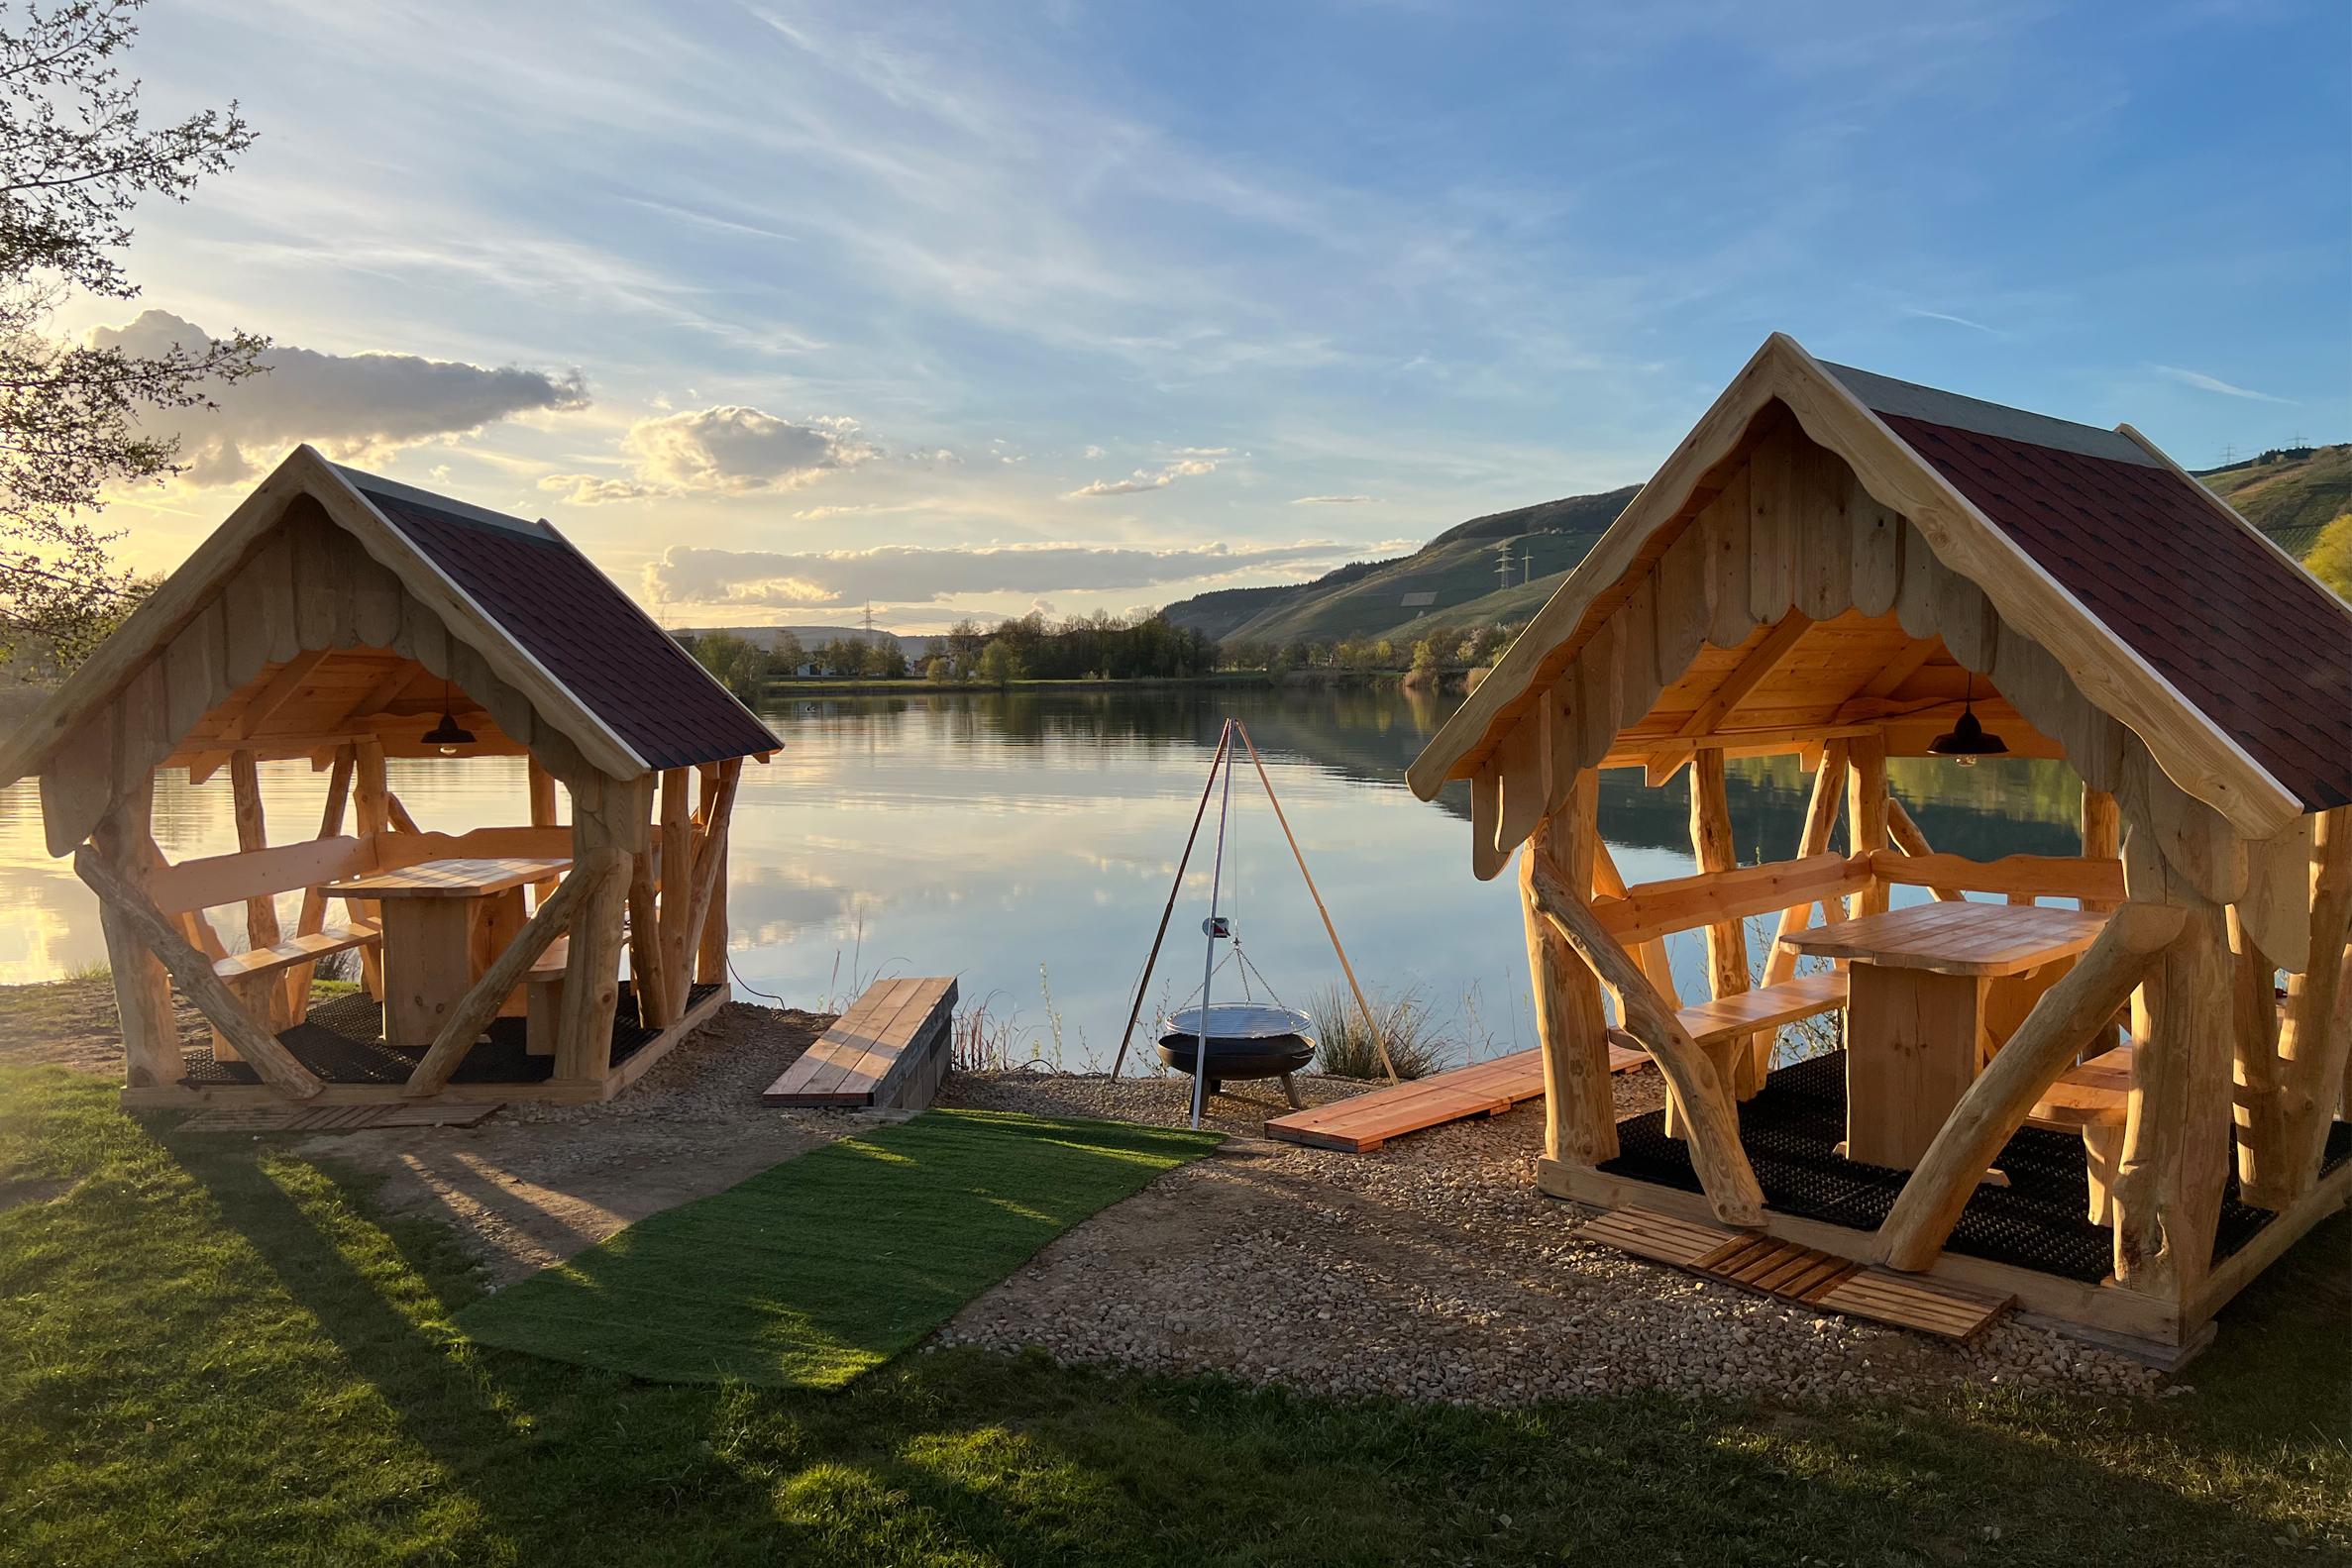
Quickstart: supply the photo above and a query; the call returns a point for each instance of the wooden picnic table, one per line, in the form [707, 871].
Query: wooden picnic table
[1935, 989]
[444, 922]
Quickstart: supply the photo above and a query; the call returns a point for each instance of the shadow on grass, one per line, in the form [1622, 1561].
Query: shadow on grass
[214, 1351]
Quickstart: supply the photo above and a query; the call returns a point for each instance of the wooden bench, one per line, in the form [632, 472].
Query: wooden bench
[2092, 1099]
[1717, 1023]
[307, 948]
[890, 1049]
[543, 987]
[1718, 1027]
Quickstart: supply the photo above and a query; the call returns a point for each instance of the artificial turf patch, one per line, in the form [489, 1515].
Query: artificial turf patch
[819, 1268]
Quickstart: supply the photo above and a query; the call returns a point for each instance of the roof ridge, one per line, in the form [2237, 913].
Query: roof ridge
[1886, 394]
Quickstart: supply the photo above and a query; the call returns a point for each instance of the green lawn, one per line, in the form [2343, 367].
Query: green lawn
[823, 1266]
[213, 1352]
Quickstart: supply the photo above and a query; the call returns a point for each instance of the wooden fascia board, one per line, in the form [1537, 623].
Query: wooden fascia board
[467, 619]
[1454, 752]
[149, 628]
[2028, 597]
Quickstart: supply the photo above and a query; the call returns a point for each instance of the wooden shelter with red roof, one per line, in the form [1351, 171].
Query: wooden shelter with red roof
[340, 619]
[2105, 1108]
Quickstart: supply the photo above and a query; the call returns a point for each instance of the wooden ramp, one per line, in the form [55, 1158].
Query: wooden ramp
[890, 1049]
[1363, 1122]
[1819, 1280]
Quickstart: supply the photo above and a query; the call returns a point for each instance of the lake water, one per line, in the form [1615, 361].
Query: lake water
[1025, 842]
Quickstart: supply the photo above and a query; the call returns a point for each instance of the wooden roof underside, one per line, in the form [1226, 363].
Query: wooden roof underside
[308, 705]
[1784, 389]
[1818, 678]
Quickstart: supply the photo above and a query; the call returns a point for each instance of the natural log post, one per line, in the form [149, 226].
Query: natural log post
[542, 786]
[678, 879]
[1711, 1118]
[313, 916]
[607, 813]
[152, 1057]
[646, 979]
[1727, 940]
[2065, 1018]
[398, 815]
[2316, 1034]
[369, 791]
[1866, 814]
[144, 923]
[486, 995]
[713, 818]
[2264, 1178]
[267, 996]
[1579, 1111]
[710, 952]
[2102, 835]
[2176, 1134]
[1821, 818]
[1911, 841]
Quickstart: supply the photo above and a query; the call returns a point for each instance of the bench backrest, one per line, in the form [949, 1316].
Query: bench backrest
[2027, 876]
[1683, 904]
[215, 880]
[258, 874]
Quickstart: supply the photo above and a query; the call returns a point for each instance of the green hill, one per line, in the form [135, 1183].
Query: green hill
[2289, 494]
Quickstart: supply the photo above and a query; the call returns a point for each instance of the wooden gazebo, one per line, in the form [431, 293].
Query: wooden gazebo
[1838, 565]
[341, 619]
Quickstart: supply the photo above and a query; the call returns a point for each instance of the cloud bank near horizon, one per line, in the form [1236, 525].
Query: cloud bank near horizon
[350, 406]
[919, 574]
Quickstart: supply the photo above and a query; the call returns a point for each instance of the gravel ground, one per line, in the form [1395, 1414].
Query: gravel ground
[1431, 1269]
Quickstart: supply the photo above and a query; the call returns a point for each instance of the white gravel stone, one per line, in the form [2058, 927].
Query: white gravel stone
[1431, 1269]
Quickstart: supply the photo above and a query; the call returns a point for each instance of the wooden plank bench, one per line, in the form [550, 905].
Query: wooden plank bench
[2092, 1099]
[543, 997]
[1363, 1122]
[307, 948]
[890, 1049]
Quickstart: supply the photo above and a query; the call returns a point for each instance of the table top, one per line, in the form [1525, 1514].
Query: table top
[1956, 938]
[449, 879]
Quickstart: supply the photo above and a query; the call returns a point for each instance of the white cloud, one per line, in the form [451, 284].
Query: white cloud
[723, 450]
[356, 406]
[2213, 383]
[915, 575]
[1094, 452]
[1334, 500]
[1158, 478]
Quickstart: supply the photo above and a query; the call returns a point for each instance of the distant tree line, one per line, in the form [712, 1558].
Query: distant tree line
[1443, 648]
[1098, 647]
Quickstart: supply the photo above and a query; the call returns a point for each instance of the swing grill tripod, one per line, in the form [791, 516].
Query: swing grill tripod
[1223, 762]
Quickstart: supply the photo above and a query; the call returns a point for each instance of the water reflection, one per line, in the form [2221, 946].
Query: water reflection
[1025, 842]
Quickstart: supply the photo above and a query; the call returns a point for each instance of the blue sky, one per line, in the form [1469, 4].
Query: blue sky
[776, 307]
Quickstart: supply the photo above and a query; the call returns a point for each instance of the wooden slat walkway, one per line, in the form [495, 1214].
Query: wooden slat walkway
[889, 1049]
[1363, 1122]
[1819, 1280]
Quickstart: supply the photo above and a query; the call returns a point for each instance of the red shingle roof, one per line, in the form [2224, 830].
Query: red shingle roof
[2255, 644]
[586, 633]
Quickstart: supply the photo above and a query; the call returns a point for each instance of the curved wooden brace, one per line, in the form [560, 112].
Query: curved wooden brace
[192, 971]
[1709, 1117]
[2021, 1072]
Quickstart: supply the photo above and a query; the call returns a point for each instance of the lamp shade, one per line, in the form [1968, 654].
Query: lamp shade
[1968, 738]
[449, 732]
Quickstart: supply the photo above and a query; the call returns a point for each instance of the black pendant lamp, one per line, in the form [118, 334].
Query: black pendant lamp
[449, 734]
[1968, 740]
